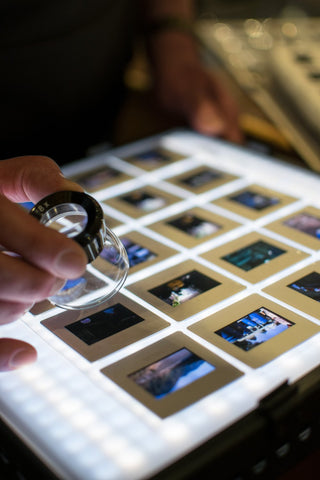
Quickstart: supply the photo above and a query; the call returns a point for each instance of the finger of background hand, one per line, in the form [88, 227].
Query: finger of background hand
[209, 106]
[207, 119]
[228, 108]
[30, 178]
[15, 354]
[39, 245]
[21, 282]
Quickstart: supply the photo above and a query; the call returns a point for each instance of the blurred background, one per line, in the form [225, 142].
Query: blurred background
[257, 8]
[267, 53]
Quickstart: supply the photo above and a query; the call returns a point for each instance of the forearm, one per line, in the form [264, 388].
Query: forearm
[183, 84]
[168, 32]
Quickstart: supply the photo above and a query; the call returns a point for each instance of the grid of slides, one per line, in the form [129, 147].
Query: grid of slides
[221, 305]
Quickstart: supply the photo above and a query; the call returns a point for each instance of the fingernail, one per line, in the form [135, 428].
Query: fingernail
[70, 264]
[21, 357]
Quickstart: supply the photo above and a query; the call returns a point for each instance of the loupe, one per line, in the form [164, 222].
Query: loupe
[80, 217]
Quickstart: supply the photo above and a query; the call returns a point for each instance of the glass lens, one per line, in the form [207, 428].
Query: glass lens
[103, 277]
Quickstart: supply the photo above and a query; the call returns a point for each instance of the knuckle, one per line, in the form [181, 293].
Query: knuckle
[40, 286]
[22, 281]
[42, 245]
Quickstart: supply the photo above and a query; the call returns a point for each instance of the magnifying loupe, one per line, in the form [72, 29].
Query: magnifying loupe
[80, 217]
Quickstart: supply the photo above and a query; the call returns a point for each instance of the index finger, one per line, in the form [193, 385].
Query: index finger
[41, 246]
[30, 178]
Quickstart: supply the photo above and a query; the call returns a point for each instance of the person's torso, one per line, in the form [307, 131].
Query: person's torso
[60, 58]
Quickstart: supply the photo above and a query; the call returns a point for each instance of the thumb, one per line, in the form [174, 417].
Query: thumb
[15, 354]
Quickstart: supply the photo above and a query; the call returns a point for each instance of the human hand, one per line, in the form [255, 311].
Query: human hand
[43, 258]
[186, 88]
[15, 354]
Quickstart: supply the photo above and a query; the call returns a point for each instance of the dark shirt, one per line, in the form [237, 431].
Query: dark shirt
[62, 64]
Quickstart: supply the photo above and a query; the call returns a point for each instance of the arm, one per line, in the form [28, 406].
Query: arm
[182, 83]
[44, 257]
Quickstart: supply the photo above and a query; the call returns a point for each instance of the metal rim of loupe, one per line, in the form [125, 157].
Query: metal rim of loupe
[56, 205]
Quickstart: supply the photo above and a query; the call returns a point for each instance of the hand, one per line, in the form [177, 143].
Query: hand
[185, 87]
[15, 354]
[203, 101]
[43, 258]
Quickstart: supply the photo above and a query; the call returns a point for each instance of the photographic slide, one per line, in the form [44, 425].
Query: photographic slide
[193, 227]
[102, 177]
[302, 226]
[201, 179]
[154, 157]
[142, 201]
[308, 286]
[254, 201]
[142, 252]
[255, 328]
[103, 324]
[171, 373]
[301, 289]
[184, 288]
[136, 253]
[305, 223]
[253, 255]
[92, 180]
[99, 332]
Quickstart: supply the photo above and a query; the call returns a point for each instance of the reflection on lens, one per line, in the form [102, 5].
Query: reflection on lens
[72, 290]
[100, 281]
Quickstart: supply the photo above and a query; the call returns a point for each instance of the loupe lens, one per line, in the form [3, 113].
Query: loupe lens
[108, 261]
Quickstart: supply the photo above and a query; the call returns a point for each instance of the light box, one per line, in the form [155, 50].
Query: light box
[220, 309]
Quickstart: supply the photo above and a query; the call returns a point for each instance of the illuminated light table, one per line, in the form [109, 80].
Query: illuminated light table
[209, 355]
